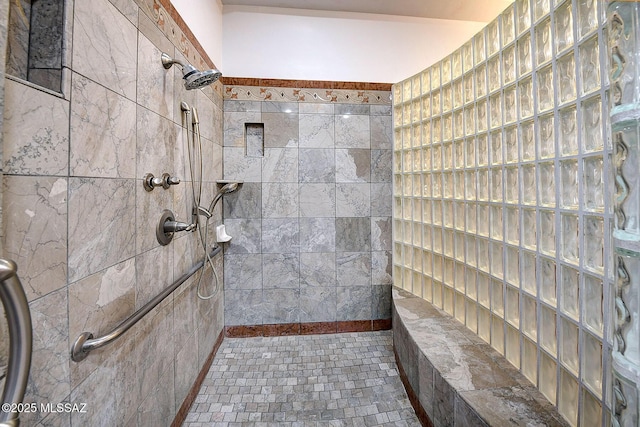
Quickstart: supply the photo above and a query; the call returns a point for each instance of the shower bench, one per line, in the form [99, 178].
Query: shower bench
[454, 378]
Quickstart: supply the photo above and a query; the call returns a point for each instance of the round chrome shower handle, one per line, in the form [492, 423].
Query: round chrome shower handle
[150, 182]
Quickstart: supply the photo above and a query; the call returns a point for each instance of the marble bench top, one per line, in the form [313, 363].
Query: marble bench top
[462, 380]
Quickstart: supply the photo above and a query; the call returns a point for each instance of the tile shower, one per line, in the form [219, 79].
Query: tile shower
[502, 205]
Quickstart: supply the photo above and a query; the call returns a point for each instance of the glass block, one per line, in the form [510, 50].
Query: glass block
[459, 303]
[426, 135]
[512, 225]
[438, 272]
[593, 303]
[529, 317]
[483, 185]
[527, 141]
[525, 97]
[447, 127]
[569, 184]
[427, 215]
[540, 8]
[494, 75]
[497, 334]
[483, 219]
[529, 272]
[510, 108]
[426, 107]
[469, 120]
[546, 141]
[484, 324]
[458, 154]
[467, 56]
[512, 346]
[525, 58]
[406, 114]
[470, 185]
[496, 222]
[523, 16]
[496, 185]
[627, 202]
[447, 185]
[546, 181]
[568, 135]
[569, 343]
[547, 232]
[590, 64]
[468, 88]
[436, 182]
[512, 313]
[448, 263]
[437, 294]
[593, 241]
[512, 266]
[592, 125]
[481, 81]
[482, 148]
[417, 241]
[481, 108]
[426, 163]
[547, 334]
[437, 212]
[528, 172]
[591, 406]
[407, 184]
[425, 82]
[459, 255]
[483, 290]
[497, 297]
[416, 156]
[436, 82]
[545, 89]
[407, 280]
[587, 16]
[416, 138]
[397, 92]
[548, 377]
[496, 148]
[511, 144]
[406, 90]
[458, 93]
[446, 70]
[472, 316]
[493, 37]
[436, 102]
[548, 284]
[447, 210]
[416, 283]
[530, 360]
[436, 130]
[407, 252]
[406, 137]
[511, 184]
[508, 26]
[566, 78]
[447, 102]
[497, 259]
[563, 27]
[543, 42]
[569, 238]
[568, 398]
[483, 254]
[479, 47]
[470, 153]
[509, 64]
[456, 63]
[416, 86]
[592, 362]
[470, 211]
[397, 117]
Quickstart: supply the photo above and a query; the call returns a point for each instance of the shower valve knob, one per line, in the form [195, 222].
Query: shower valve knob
[168, 180]
[165, 181]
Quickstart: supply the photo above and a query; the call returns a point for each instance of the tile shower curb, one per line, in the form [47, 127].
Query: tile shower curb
[452, 377]
[282, 329]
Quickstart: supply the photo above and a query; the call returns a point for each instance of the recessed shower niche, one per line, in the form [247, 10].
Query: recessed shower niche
[254, 139]
[34, 45]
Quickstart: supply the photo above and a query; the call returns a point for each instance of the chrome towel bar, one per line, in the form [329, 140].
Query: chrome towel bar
[85, 343]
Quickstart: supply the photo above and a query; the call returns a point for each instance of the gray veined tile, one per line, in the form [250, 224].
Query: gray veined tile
[281, 306]
[318, 269]
[245, 235]
[317, 200]
[154, 84]
[234, 127]
[317, 165]
[280, 129]
[280, 165]
[280, 235]
[281, 271]
[381, 268]
[381, 132]
[243, 271]
[354, 303]
[317, 234]
[381, 166]
[353, 234]
[381, 236]
[156, 142]
[353, 268]
[316, 130]
[237, 166]
[353, 200]
[280, 200]
[353, 165]
[382, 199]
[318, 304]
[353, 131]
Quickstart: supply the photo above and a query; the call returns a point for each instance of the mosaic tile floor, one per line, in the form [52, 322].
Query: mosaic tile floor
[346, 379]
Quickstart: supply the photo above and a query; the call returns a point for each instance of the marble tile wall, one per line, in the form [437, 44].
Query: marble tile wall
[311, 225]
[81, 228]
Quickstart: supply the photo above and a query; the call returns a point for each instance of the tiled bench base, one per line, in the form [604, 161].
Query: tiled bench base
[456, 378]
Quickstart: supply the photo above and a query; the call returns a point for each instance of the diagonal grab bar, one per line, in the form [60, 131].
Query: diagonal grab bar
[85, 343]
[18, 315]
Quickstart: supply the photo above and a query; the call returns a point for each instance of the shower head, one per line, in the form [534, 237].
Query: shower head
[228, 187]
[193, 79]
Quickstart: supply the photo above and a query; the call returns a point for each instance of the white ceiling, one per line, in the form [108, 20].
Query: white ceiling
[463, 10]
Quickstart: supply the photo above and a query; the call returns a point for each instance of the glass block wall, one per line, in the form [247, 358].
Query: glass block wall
[501, 206]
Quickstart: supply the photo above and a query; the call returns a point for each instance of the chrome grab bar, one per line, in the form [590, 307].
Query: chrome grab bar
[18, 315]
[85, 343]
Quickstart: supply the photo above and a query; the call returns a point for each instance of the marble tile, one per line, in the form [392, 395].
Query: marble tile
[382, 199]
[158, 406]
[101, 36]
[156, 143]
[35, 132]
[185, 320]
[353, 165]
[246, 236]
[425, 384]
[244, 203]
[381, 302]
[280, 165]
[280, 129]
[443, 401]
[316, 108]
[155, 84]
[234, 127]
[186, 369]
[353, 200]
[154, 272]
[318, 304]
[280, 107]
[128, 8]
[381, 234]
[317, 165]
[317, 200]
[280, 235]
[103, 135]
[206, 114]
[281, 271]
[381, 110]
[101, 224]
[465, 416]
[353, 234]
[381, 166]
[318, 269]
[243, 271]
[317, 235]
[146, 27]
[149, 209]
[353, 268]
[281, 306]
[233, 106]
[352, 109]
[352, 131]
[381, 268]
[49, 374]
[35, 237]
[280, 200]
[316, 130]
[354, 303]
[381, 131]
[238, 167]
